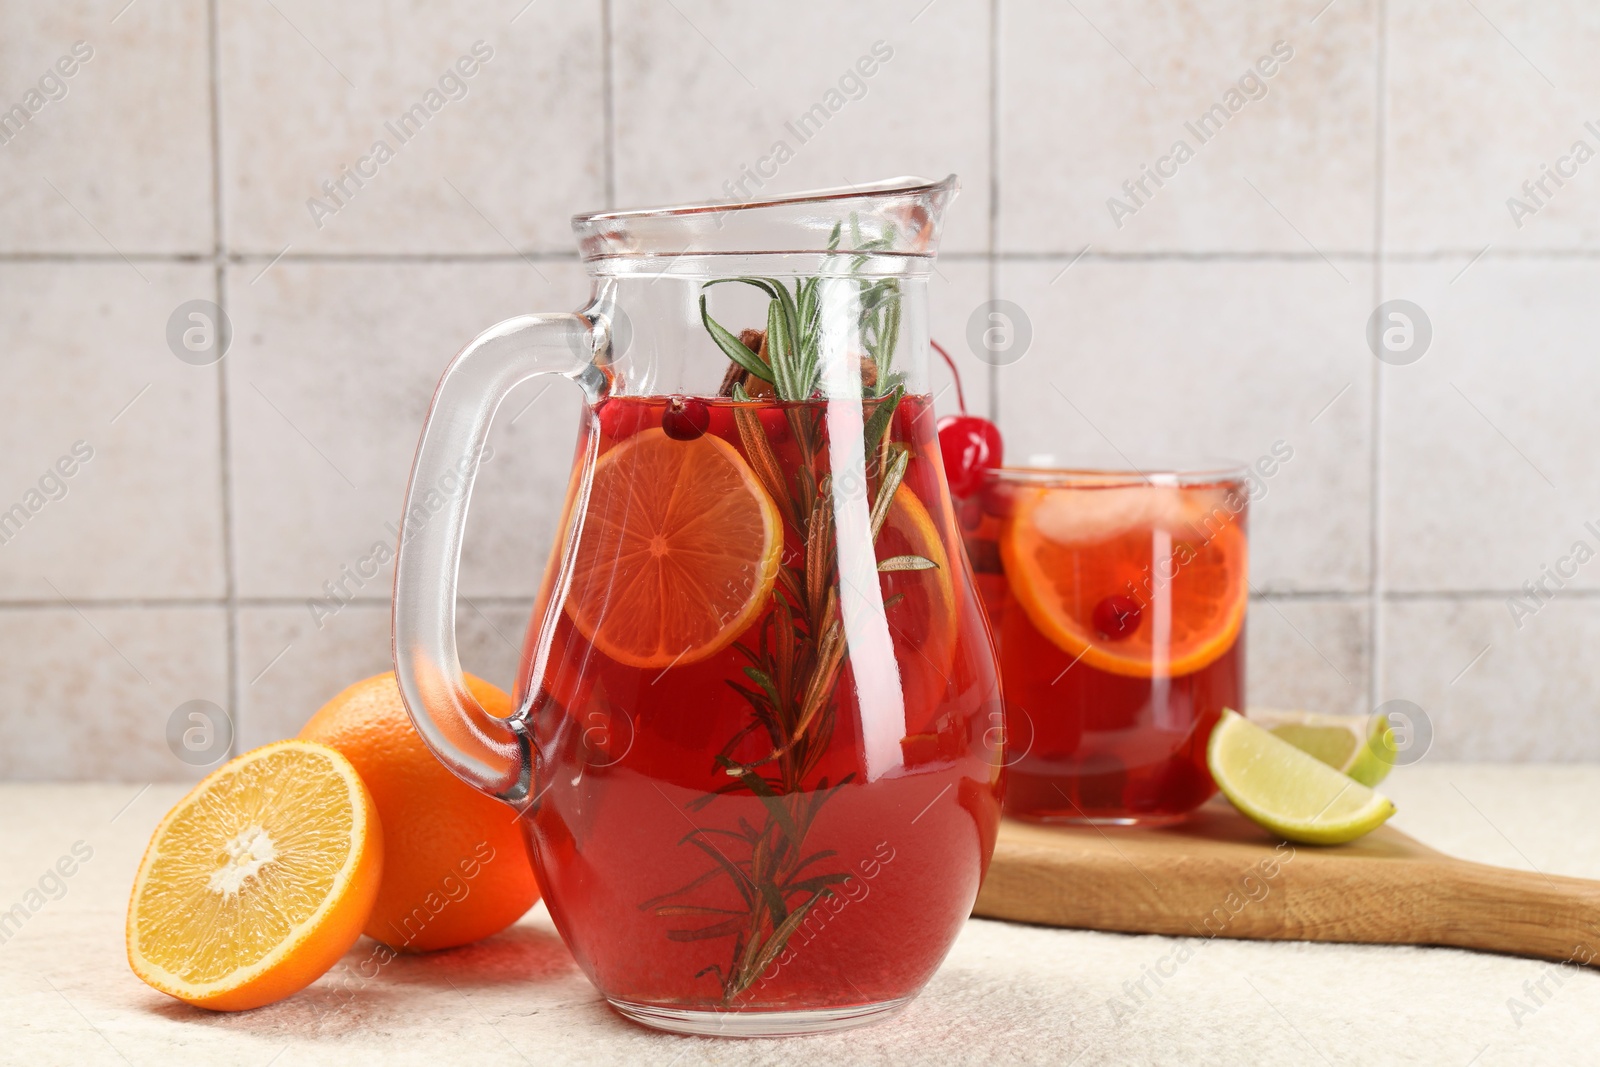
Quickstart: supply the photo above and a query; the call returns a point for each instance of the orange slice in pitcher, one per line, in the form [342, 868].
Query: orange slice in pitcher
[1084, 562]
[920, 606]
[924, 608]
[678, 554]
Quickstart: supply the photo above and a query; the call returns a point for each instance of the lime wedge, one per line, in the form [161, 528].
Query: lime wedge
[1361, 746]
[1288, 791]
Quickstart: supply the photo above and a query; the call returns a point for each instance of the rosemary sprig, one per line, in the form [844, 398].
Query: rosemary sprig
[796, 656]
[732, 347]
[794, 326]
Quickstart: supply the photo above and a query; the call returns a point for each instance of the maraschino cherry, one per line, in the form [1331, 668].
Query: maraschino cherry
[968, 444]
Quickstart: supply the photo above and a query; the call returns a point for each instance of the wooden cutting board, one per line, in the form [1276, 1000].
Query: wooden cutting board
[1219, 875]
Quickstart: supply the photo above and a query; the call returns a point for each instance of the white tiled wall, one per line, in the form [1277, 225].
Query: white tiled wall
[1222, 311]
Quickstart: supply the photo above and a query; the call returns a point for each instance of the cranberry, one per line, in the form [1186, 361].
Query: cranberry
[970, 446]
[913, 418]
[685, 418]
[1116, 617]
[621, 417]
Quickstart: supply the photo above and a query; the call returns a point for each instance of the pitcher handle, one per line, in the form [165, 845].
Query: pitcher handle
[487, 752]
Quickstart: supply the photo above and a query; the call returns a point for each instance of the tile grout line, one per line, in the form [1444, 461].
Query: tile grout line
[239, 258]
[158, 603]
[993, 254]
[225, 424]
[1536, 255]
[608, 103]
[1375, 623]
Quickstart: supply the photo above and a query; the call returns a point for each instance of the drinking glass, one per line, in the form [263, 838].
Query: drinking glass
[1118, 603]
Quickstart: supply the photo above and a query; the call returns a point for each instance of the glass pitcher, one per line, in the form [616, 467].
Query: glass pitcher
[757, 748]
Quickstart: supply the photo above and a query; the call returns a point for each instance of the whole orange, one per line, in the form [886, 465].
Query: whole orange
[456, 867]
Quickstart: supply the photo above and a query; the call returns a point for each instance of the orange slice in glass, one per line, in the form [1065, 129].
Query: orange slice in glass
[678, 554]
[1174, 554]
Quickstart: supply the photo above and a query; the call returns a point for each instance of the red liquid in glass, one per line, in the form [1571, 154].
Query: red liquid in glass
[1086, 743]
[650, 852]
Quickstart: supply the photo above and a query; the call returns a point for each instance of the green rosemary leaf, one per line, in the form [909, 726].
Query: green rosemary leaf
[773, 803]
[780, 351]
[753, 696]
[906, 563]
[766, 285]
[889, 337]
[833, 239]
[780, 937]
[744, 973]
[810, 371]
[694, 909]
[761, 679]
[745, 731]
[702, 831]
[722, 929]
[732, 347]
[830, 651]
[791, 313]
[787, 591]
[655, 902]
[819, 552]
[823, 792]
[737, 836]
[758, 450]
[878, 421]
[892, 477]
[826, 853]
[874, 295]
[805, 476]
[739, 394]
[805, 305]
[776, 905]
[808, 322]
[811, 885]
[783, 336]
[741, 880]
[700, 802]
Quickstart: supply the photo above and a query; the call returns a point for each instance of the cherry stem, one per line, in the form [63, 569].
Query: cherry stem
[955, 375]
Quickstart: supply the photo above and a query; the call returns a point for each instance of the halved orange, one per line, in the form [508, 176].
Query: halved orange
[1169, 551]
[678, 554]
[258, 881]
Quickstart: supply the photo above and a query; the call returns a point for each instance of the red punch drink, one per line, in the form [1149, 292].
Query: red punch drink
[757, 749]
[1118, 604]
[735, 814]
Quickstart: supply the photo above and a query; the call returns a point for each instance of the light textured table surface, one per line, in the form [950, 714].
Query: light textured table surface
[1006, 994]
